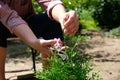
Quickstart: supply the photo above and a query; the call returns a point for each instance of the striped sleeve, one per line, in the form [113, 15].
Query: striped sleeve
[48, 5]
[9, 18]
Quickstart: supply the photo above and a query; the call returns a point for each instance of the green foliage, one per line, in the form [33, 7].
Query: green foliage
[87, 21]
[108, 13]
[112, 33]
[72, 5]
[75, 40]
[78, 5]
[93, 13]
[77, 67]
[85, 10]
[37, 8]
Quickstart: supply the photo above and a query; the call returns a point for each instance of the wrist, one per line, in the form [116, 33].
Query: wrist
[57, 11]
[61, 21]
[35, 44]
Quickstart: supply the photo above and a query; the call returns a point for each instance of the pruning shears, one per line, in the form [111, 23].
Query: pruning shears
[60, 51]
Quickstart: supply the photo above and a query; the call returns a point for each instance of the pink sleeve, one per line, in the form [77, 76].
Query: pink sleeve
[48, 5]
[9, 18]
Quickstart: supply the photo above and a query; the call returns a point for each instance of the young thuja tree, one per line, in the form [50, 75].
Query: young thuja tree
[76, 67]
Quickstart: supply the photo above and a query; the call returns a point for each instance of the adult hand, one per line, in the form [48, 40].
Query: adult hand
[69, 22]
[46, 44]
[44, 47]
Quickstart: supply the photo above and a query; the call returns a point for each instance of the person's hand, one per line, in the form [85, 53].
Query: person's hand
[46, 44]
[69, 22]
[44, 47]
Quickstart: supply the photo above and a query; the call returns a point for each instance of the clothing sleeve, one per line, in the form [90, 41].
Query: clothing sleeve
[48, 5]
[9, 17]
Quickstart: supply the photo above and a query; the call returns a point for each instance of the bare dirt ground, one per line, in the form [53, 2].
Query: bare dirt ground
[106, 53]
[19, 65]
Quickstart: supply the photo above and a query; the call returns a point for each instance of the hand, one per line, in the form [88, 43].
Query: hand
[46, 44]
[44, 47]
[69, 22]
[58, 43]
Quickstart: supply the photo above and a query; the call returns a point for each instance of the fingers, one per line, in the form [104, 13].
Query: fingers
[71, 23]
[44, 47]
[71, 16]
[73, 28]
[45, 50]
[58, 43]
[47, 42]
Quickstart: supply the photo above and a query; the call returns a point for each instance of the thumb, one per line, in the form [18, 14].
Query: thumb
[63, 19]
[66, 17]
[48, 42]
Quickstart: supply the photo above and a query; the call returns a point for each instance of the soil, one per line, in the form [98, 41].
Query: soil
[105, 52]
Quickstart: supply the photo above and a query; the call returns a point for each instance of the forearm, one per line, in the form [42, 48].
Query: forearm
[25, 34]
[57, 11]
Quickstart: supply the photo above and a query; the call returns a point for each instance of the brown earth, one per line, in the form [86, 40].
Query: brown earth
[106, 53]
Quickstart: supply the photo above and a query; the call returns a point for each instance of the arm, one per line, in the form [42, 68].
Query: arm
[19, 27]
[56, 11]
[68, 20]
[9, 17]
[25, 33]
